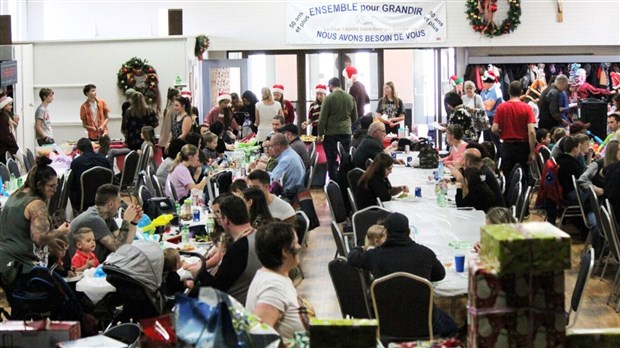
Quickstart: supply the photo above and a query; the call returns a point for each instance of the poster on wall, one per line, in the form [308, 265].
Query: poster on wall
[354, 23]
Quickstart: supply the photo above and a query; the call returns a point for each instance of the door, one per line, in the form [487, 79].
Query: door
[222, 75]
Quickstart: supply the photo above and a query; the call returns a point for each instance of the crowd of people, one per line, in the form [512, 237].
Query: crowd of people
[256, 245]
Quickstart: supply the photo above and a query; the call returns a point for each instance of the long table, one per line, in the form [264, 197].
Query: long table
[443, 230]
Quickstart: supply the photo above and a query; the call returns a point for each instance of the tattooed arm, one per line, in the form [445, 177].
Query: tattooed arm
[127, 231]
[40, 233]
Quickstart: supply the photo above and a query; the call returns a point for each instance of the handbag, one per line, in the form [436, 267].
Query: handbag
[156, 206]
[480, 118]
[428, 156]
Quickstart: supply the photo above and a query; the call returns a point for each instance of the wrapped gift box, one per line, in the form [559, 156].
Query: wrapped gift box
[515, 310]
[522, 248]
[589, 338]
[341, 333]
[41, 333]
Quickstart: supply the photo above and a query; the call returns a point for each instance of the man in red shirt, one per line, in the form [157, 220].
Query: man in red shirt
[514, 123]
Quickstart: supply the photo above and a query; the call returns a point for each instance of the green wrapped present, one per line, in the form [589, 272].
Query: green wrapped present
[589, 338]
[524, 248]
[343, 333]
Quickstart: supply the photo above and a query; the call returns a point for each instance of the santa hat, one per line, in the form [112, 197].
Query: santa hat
[277, 88]
[455, 80]
[349, 72]
[223, 96]
[615, 79]
[490, 77]
[186, 94]
[4, 101]
[320, 89]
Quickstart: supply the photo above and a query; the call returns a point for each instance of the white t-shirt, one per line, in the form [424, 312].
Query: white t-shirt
[278, 291]
[280, 209]
[93, 109]
[266, 114]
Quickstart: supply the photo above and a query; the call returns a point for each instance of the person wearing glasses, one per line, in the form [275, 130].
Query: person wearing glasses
[372, 145]
[272, 295]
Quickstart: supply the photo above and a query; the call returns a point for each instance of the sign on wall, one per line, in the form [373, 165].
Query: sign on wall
[8, 73]
[349, 22]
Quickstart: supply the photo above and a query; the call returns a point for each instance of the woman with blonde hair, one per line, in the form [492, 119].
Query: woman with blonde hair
[594, 175]
[266, 109]
[390, 108]
[180, 176]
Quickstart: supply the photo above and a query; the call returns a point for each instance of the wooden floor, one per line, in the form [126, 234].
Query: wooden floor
[318, 290]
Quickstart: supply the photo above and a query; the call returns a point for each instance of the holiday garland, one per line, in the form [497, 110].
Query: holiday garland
[480, 14]
[202, 44]
[142, 77]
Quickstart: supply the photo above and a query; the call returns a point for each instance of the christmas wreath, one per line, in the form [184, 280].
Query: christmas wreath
[142, 77]
[202, 44]
[480, 14]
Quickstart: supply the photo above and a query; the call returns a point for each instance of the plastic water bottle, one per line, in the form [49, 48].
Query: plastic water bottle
[185, 233]
[440, 170]
[401, 132]
[441, 198]
[13, 182]
[210, 225]
[406, 131]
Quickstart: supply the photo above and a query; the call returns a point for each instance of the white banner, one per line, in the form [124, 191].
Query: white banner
[348, 22]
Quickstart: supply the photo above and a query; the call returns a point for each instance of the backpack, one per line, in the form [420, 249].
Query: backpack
[550, 188]
[428, 156]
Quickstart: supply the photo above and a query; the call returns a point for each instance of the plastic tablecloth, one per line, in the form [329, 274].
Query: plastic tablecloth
[447, 231]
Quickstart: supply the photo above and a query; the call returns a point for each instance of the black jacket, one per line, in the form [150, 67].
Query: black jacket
[399, 254]
[369, 148]
[568, 166]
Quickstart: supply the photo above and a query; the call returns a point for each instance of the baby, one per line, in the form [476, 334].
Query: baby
[375, 236]
[84, 257]
[172, 281]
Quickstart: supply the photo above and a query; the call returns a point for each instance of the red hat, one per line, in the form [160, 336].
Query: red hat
[320, 89]
[490, 77]
[186, 94]
[277, 88]
[223, 96]
[349, 72]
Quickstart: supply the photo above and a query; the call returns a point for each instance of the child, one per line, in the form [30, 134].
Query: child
[585, 152]
[210, 149]
[84, 257]
[237, 187]
[375, 236]
[148, 135]
[172, 281]
[543, 137]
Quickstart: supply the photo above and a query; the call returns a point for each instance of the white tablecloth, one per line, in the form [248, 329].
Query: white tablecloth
[440, 229]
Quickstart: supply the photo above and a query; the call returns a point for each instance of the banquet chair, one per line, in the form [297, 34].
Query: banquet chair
[352, 200]
[525, 203]
[4, 173]
[64, 193]
[129, 171]
[353, 177]
[144, 159]
[415, 303]
[143, 194]
[90, 181]
[173, 191]
[13, 167]
[363, 219]
[585, 269]
[545, 153]
[339, 239]
[54, 203]
[352, 150]
[27, 163]
[156, 187]
[516, 176]
[342, 150]
[614, 248]
[351, 289]
[576, 210]
[312, 149]
[336, 204]
[368, 162]
[596, 209]
[303, 223]
[30, 157]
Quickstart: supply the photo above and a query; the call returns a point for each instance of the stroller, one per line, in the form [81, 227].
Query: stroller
[43, 293]
[135, 270]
